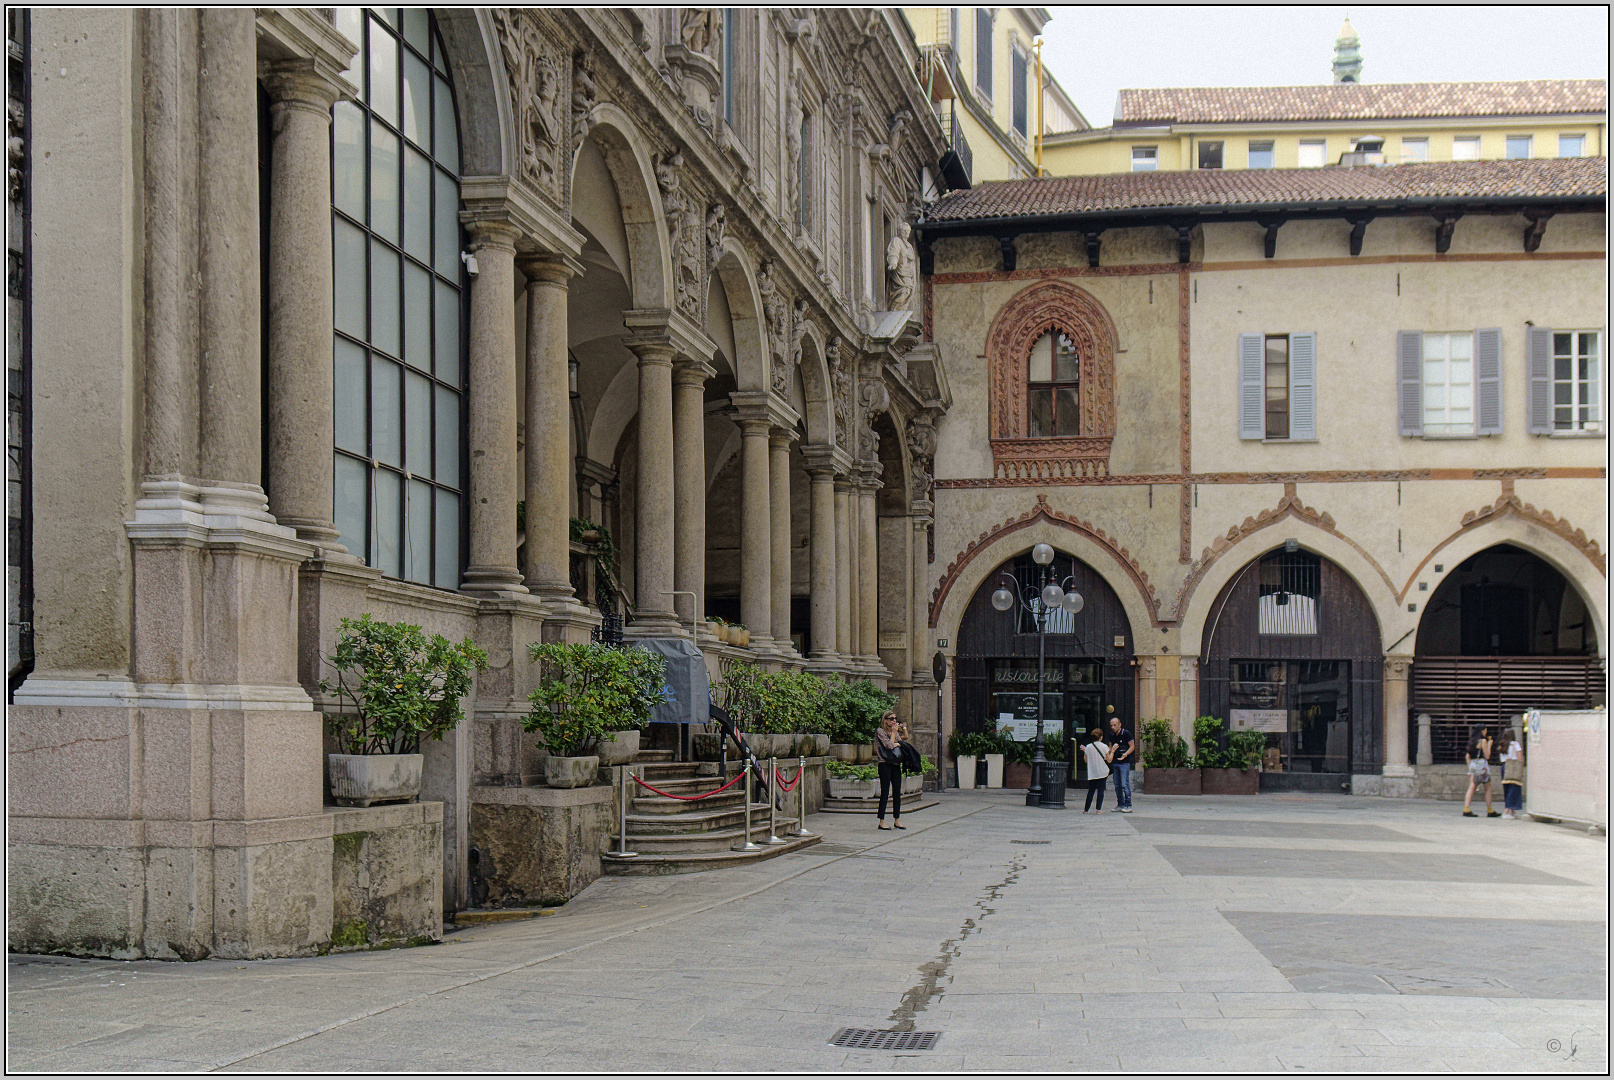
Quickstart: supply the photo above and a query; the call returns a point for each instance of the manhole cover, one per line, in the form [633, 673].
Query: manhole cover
[865, 1039]
[1030, 841]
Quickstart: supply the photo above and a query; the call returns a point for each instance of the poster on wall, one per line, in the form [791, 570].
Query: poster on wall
[1259, 720]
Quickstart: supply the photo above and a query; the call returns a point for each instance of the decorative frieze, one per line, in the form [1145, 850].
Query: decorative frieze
[533, 71]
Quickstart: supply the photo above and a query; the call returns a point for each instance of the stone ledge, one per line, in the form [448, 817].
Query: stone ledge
[346, 819]
[489, 795]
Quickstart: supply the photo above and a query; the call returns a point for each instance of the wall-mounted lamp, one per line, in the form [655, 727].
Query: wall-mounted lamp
[571, 376]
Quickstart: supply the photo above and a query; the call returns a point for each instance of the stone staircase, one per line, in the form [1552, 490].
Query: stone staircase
[677, 837]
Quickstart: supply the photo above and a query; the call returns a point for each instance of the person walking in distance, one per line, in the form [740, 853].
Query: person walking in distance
[1479, 773]
[1098, 770]
[888, 740]
[1123, 755]
[1513, 779]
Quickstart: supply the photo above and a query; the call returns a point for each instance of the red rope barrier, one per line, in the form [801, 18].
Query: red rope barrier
[690, 798]
[781, 778]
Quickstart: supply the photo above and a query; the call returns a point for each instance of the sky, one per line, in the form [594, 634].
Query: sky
[1095, 51]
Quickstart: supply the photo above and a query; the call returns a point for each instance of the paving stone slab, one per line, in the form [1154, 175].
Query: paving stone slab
[1356, 865]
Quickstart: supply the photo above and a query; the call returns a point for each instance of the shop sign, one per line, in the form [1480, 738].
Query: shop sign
[1259, 719]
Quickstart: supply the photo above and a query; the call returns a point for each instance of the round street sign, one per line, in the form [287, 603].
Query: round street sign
[938, 667]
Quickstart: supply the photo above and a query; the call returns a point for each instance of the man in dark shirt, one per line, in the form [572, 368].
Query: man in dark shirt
[1125, 756]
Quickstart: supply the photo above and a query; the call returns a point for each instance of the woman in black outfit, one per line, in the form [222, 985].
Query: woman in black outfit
[888, 742]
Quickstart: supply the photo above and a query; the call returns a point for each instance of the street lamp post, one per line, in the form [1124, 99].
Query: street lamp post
[1038, 599]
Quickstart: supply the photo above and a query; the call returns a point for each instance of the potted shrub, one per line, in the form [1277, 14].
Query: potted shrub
[1221, 772]
[967, 747]
[1168, 769]
[714, 626]
[995, 752]
[587, 693]
[853, 710]
[1016, 761]
[843, 781]
[402, 686]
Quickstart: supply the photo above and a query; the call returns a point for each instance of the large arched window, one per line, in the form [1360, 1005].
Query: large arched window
[399, 353]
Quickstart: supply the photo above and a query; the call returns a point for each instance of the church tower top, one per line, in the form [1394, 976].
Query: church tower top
[1347, 54]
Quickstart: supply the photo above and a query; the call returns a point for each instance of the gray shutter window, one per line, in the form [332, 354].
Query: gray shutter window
[1409, 354]
[1303, 385]
[1538, 367]
[1488, 380]
[1252, 386]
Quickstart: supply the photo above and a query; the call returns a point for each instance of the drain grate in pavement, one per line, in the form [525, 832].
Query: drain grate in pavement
[1030, 841]
[865, 1039]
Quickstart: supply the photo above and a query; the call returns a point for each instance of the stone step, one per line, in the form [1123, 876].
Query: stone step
[650, 757]
[656, 807]
[689, 862]
[731, 816]
[713, 840]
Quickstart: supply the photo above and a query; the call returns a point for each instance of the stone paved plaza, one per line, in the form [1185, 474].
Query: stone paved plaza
[1273, 933]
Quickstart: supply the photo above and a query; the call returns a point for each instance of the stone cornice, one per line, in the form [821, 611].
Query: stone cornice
[301, 34]
[499, 198]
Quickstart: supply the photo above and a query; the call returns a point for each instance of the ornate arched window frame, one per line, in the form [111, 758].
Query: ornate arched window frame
[1031, 313]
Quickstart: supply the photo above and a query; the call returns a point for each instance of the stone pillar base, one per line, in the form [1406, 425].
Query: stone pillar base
[537, 844]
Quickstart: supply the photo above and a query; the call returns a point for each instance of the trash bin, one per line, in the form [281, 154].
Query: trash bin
[1054, 775]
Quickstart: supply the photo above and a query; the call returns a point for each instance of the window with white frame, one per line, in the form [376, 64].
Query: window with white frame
[1261, 154]
[1414, 149]
[1571, 146]
[983, 52]
[1313, 153]
[398, 352]
[1053, 388]
[1518, 146]
[1020, 69]
[1577, 380]
[1278, 386]
[1144, 158]
[1448, 384]
[1210, 154]
[1465, 148]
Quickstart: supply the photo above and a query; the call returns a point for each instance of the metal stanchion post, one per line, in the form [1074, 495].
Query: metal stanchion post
[745, 843]
[622, 851]
[801, 786]
[773, 803]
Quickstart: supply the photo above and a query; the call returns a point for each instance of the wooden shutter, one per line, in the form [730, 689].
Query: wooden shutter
[1488, 382]
[1409, 354]
[1252, 386]
[1303, 385]
[1538, 369]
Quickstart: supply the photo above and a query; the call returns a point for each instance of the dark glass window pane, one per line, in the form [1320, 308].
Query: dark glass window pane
[417, 316]
[417, 101]
[386, 400]
[417, 228]
[447, 227]
[447, 572]
[352, 498]
[446, 147]
[387, 528]
[447, 333]
[386, 314]
[448, 438]
[1068, 412]
[417, 27]
[1562, 367]
[418, 423]
[384, 167]
[418, 528]
[1041, 422]
[347, 158]
[383, 74]
[348, 258]
[1066, 366]
[350, 397]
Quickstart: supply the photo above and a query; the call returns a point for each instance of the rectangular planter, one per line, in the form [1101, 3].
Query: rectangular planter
[994, 770]
[1017, 774]
[1229, 781]
[966, 772]
[365, 779]
[1173, 781]
[852, 789]
[912, 784]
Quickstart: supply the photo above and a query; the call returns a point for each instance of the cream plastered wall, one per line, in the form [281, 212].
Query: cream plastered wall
[1179, 149]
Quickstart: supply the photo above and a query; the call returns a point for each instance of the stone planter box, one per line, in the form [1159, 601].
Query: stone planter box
[366, 779]
[1172, 781]
[843, 751]
[705, 746]
[619, 751]
[570, 772]
[865, 754]
[966, 772]
[852, 789]
[812, 745]
[1229, 781]
[1016, 774]
[912, 784]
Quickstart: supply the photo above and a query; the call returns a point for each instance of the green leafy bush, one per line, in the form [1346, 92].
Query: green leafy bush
[840, 770]
[589, 690]
[1163, 747]
[1245, 748]
[1208, 752]
[402, 685]
[780, 702]
[976, 743]
[853, 710]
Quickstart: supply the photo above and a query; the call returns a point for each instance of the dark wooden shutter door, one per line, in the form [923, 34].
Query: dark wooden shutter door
[1538, 366]
[1488, 380]
[1409, 355]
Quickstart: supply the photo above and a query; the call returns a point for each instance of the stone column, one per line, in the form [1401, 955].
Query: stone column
[1426, 741]
[689, 483]
[756, 528]
[491, 402]
[654, 615]
[227, 194]
[919, 647]
[843, 569]
[1397, 772]
[824, 585]
[779, 534]
[1187, 698]
[302, 428]
[868, 584]
[546, 565]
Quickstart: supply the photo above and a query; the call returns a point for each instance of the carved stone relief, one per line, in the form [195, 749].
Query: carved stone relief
[776, 323]
[689, 244]
[584, 94]
[840, 371]
[901, 269]
[922, 455]
[873, 399]
[534, 74]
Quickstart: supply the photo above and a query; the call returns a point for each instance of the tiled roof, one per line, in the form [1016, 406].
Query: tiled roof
[1360, 101]
[1567, 178]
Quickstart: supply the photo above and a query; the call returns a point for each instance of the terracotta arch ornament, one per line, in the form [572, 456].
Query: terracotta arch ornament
[1289, 506]
[1029, 314]
[1042, 511]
